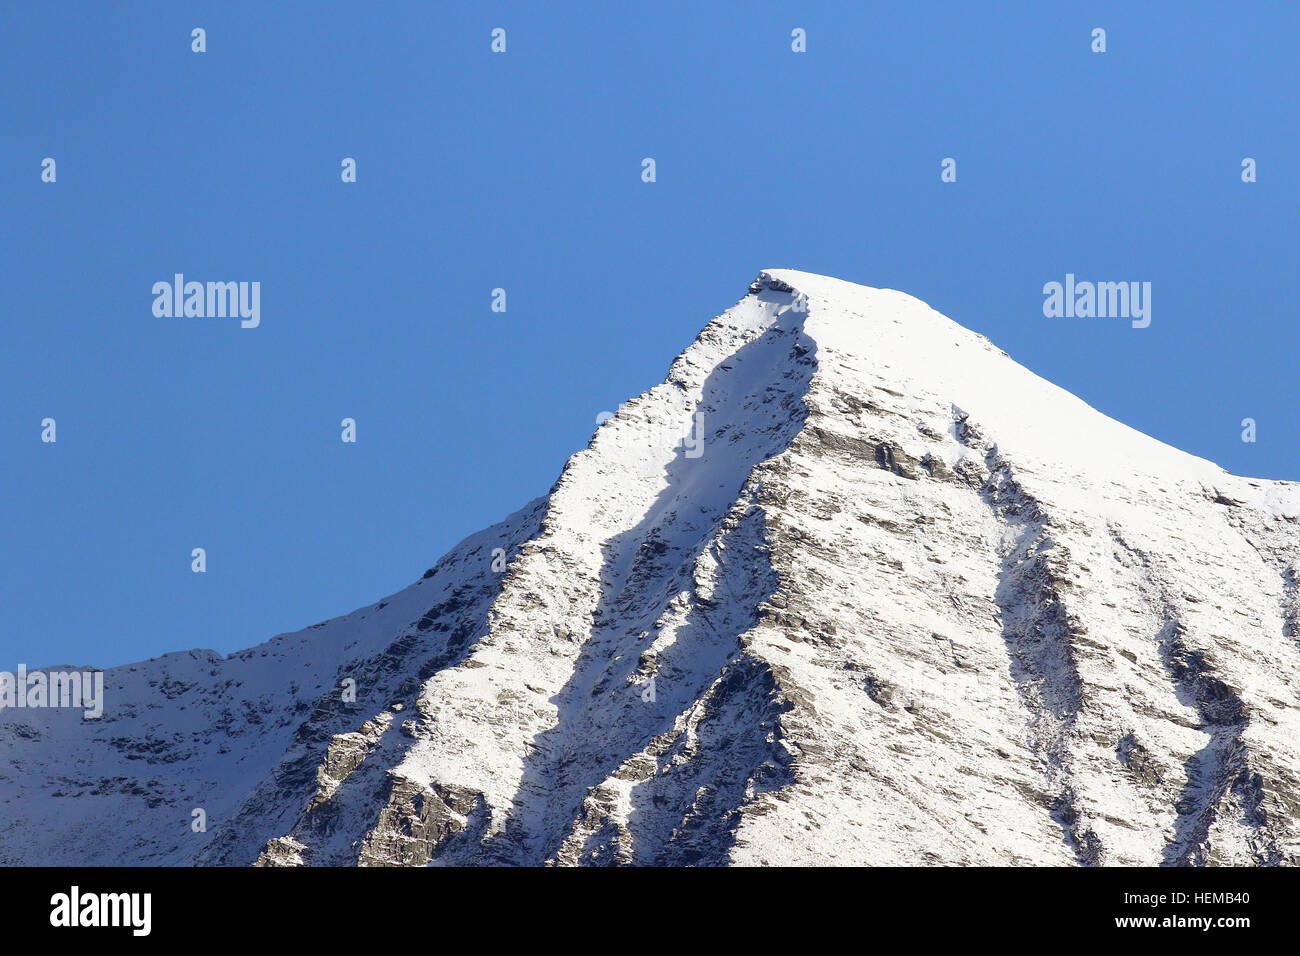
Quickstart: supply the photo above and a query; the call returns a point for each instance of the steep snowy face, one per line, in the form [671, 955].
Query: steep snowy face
[1077, 644]
[850, 586]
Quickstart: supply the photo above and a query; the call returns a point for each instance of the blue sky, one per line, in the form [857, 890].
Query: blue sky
[522, 171]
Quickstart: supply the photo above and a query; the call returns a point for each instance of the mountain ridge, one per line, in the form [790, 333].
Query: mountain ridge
[911, 603]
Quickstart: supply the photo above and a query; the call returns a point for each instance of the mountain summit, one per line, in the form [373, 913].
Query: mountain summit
[850, 586]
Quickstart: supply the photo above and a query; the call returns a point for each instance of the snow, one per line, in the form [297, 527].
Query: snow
[910, 604]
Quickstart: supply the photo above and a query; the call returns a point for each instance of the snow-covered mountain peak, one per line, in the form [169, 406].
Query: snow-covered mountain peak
[849, 586]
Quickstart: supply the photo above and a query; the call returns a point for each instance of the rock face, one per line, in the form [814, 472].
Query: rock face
[895, 600]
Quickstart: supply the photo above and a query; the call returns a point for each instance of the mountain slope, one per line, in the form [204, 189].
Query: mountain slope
[906, 603]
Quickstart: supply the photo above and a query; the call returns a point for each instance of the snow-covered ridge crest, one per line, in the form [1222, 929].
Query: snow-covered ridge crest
[909, 604]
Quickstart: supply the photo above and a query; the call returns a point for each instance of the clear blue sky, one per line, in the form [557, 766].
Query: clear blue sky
[522, 171]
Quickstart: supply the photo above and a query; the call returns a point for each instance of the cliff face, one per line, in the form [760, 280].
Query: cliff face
[894, 599]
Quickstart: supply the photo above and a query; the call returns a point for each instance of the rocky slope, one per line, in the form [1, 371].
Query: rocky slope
[894, 600]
